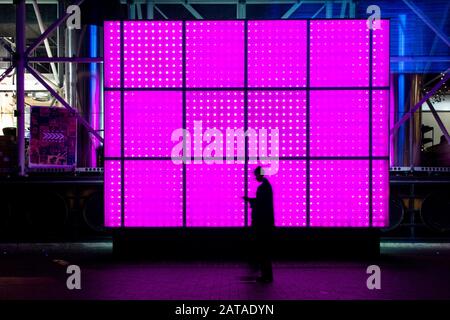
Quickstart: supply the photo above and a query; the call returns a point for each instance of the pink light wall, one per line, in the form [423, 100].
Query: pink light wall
[153, 194]
[277, 43]
[150, 118]
[214, 195]
[321, 104]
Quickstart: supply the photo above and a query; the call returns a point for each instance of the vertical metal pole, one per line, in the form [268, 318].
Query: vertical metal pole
[20, 86]
[150, 9]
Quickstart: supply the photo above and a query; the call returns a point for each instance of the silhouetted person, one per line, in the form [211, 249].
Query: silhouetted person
[262, 225]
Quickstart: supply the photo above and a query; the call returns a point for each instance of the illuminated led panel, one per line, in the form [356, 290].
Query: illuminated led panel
[113, 193]
[153, 54]
[339, 123]
[215, 53]
[112, 124]
[380, 123]
[289, 192]
[339, 53]
[214, 195]
[150, 119]
[217, 111]
[380, 54]
[277, 53]
[339, 193]
[112, 54]
[153, 194]
[380, 193]
[282, 110]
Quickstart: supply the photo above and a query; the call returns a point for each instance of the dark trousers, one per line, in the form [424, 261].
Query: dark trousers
[262, 248]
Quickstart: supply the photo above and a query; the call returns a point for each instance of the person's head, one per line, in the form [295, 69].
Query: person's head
[259, 174]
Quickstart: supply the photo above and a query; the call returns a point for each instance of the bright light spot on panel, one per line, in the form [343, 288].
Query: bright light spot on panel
[150, 119]
[215, 53]
[153, 194]
[214, 195]
[153, 54]
[277, 53]
[380, 193]
[339, 53]
[285, 110]
[289, 192]
[112, 54]
[113, 191]
[112, 124]
[380, 123]
[339, 122]
[219, 110]
[380, 55]
[339, 193]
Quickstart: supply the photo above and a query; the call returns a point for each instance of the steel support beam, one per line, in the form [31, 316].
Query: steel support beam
[50, 29]
[66, 59]
[428, 22]
[161, 13]
[420, 103]
[20, 62]
[292, 10]
[64, 103]
[438, 120]
[46, 44]
[7, 46]
[241, 9]
[318, 11]
[192, 11]
[150, 9]
[7, 71]
[329, 9]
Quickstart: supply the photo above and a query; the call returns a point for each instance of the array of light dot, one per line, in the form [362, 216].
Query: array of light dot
[113, 193]
[214, 195]
[289, 191]
[380, 54]
[153, 54]
[217, 110]
[153, 194]
[339, 193]
[224, 87]
[339, 53]
[339, 124]
[277, 53]
[282, 110]
[150, 118]
[112, 54]
[113, 121]
[215, 53]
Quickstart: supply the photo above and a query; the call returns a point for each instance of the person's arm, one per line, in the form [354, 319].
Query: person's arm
[250, 200]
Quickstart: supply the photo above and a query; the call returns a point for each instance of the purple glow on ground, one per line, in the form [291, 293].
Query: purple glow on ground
[339, 123]
[285, 110]
[339, 193]
[289, 191]
[153, 194]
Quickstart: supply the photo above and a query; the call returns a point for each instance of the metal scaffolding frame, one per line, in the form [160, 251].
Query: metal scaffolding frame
[21, 54]
[21, 58]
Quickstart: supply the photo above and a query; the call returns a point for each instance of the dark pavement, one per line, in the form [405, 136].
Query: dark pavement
[38, 271]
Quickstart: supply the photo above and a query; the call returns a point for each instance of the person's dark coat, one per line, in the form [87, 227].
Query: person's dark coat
[262, 207]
